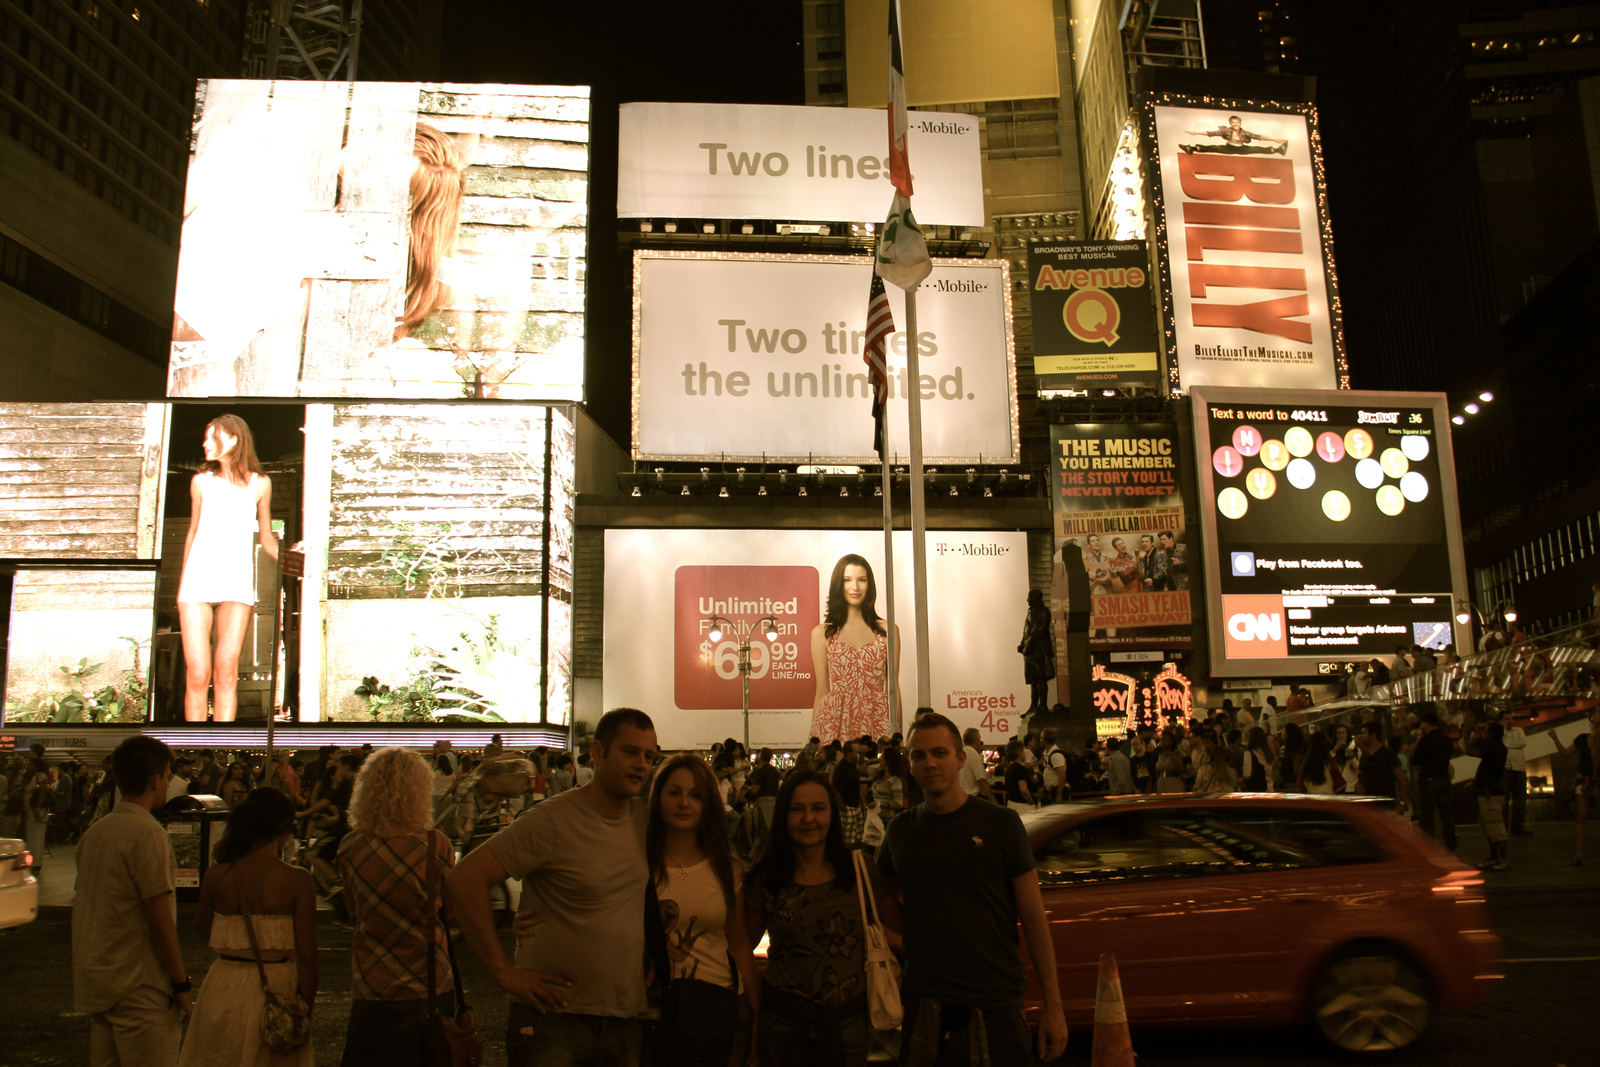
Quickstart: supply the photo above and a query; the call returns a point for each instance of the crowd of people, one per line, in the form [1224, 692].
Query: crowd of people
[642, 887]
[636, 886]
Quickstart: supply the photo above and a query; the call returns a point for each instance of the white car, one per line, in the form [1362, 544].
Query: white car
[19, 889]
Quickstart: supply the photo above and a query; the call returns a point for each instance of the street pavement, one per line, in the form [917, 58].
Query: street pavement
[1542, 1015]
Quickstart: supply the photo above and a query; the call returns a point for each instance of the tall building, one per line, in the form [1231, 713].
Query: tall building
[1462, 140]
[96, 102]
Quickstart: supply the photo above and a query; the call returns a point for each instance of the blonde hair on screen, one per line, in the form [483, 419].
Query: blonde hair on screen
[436, 190]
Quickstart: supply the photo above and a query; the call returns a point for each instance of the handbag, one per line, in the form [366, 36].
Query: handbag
[447, 1042]
[285, 1022]
[883, 970]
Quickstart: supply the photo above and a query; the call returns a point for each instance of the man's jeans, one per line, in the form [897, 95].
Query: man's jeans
[1517, 798]
[555, 1039]
[1433, 794]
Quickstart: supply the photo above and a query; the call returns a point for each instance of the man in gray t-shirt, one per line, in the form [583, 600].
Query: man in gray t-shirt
[577, 983]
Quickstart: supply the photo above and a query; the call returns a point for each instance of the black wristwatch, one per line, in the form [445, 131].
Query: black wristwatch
[182, 987]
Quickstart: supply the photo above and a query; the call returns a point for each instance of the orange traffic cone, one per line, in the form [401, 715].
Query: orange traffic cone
[1112, 1045]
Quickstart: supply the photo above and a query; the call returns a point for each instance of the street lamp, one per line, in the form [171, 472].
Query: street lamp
[1466, 609]
[741, 631]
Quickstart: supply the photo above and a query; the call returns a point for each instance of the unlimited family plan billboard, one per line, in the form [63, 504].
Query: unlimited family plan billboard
[663, 586]
[1334, 524]
[1245, 251]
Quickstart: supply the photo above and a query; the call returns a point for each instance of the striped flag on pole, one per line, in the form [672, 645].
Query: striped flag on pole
[899, 164]
[880, 324]
[902, 250]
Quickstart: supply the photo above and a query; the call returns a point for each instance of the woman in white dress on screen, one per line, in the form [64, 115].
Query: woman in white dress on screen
[231, 510]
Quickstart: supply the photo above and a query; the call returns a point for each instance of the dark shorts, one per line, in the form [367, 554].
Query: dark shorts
[1009, 1039]
[558, 1039]
[389, 1033]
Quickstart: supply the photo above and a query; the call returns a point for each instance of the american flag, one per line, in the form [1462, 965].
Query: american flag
[880, 324]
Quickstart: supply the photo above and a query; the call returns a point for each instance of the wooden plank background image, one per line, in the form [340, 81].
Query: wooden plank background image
[80, 481]
[62, 616]
[465, 480]
[293, 266]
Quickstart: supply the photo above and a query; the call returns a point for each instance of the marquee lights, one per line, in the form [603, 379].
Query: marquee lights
[1131, 704]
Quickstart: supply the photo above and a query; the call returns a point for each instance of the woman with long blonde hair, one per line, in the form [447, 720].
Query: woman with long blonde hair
[394, 864]
[437, 186]
[231, 507]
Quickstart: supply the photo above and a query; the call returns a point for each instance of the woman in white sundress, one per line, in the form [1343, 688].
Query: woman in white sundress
[251, 879]
[231, 502]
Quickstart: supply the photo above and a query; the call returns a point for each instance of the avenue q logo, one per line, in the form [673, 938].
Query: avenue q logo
[1253, 627]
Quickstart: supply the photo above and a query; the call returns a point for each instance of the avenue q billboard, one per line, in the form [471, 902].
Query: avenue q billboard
[1333, 522]
[759, 161]
[663, 586]
[1246, 253]
[756, 356]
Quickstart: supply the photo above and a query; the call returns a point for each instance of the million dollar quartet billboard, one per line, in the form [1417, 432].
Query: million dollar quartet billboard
[1119, 514]
[1245, 251]
[1093, 318]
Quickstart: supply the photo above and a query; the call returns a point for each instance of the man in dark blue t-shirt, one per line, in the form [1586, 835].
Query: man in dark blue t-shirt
[965, 876]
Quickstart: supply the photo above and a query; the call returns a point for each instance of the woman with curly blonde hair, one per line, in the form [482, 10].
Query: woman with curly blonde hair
[394, 863]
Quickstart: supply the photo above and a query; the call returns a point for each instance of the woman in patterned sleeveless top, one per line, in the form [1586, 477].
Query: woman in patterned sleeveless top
[849, 653]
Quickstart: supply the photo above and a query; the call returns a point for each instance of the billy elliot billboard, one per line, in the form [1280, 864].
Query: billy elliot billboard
[1246, 256]
[1119, 514]
[1334, 521]
[1093, 318]
[663, 587]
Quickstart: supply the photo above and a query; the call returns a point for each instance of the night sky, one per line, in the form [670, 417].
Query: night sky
[715, 51]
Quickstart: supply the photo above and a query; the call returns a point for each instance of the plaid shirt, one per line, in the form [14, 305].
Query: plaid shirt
[384, 881]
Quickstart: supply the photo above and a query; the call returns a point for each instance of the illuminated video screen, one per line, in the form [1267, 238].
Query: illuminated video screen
[1334, 527]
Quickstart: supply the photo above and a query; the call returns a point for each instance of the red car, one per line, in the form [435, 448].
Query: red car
[1262, 910]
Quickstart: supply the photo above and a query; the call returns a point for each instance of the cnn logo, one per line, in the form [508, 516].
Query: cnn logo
[1254, 627]
[1258, 627]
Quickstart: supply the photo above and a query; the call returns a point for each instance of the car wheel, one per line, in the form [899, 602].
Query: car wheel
[1370, 1000]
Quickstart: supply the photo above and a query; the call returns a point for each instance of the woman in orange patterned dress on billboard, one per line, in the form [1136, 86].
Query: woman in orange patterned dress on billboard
[849, 653]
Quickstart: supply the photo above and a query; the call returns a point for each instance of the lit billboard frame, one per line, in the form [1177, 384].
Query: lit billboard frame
[1009, 453]
[1162, 228]
[1290, 401]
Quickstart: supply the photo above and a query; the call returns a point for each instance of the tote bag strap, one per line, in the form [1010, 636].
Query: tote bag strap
[864, 894]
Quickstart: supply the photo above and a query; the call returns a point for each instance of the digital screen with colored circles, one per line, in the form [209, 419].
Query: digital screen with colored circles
[1332, 526]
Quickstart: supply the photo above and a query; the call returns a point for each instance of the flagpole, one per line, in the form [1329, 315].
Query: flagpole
[892, 686]
[919, 514]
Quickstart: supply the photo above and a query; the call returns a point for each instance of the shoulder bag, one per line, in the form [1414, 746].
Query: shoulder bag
[883, 970]
[447, 1042]
[285, 1022]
